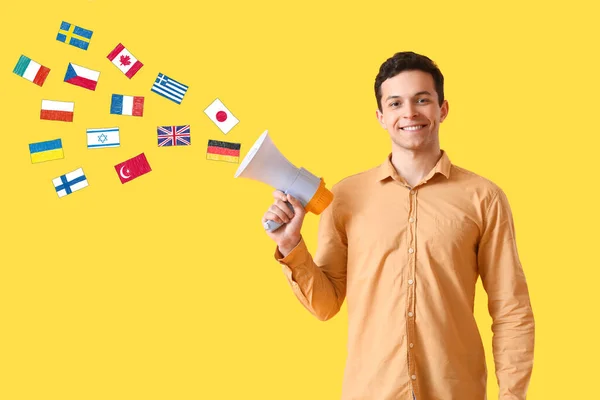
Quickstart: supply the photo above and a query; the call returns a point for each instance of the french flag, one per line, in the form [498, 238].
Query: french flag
[80, 76]
[127, 105]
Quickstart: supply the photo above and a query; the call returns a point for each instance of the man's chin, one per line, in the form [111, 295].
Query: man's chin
[411, 146]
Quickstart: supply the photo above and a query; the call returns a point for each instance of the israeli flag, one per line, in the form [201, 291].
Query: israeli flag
[103, 137]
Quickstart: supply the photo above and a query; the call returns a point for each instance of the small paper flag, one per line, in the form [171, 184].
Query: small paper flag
[223, 151]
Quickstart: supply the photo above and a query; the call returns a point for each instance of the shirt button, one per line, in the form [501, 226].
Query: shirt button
[411, 250]
[411, 220]
[411, 345]
[410, 314]
[412, 191]
[414, 377]
[410, 281]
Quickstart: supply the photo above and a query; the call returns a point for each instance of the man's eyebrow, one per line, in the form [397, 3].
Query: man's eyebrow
[416, 94]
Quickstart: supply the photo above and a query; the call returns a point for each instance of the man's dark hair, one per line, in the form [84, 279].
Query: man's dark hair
[409, 61]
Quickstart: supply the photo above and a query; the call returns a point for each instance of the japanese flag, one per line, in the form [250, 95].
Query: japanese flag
[221, 116]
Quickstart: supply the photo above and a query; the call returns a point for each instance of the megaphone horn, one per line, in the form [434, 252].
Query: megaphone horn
[264, 163]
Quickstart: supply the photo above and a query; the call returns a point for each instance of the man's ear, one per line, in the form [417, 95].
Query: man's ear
[444, 110]
[379, 116]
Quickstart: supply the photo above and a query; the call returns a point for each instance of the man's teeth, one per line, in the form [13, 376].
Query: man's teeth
[412, 128]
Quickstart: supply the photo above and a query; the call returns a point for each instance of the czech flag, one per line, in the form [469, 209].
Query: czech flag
[80, 76]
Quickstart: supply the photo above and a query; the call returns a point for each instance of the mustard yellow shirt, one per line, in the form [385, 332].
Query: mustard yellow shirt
[407, 260]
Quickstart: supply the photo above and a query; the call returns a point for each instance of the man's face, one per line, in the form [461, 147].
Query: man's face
[410, 111]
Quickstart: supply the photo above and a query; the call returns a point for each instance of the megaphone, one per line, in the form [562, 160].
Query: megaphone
[264, 163]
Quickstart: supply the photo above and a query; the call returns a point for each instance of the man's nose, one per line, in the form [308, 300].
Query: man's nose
[410, 111]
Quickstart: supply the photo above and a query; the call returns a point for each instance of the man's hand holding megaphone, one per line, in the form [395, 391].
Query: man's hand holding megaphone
[297, 191]
[288, 235]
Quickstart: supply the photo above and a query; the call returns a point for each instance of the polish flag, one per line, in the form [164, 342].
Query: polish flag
[57, 110]
[125, 61]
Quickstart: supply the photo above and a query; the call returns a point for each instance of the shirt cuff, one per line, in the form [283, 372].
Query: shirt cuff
[295, 257]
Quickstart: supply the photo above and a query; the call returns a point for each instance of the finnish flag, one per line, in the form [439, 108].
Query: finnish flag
[70, 182]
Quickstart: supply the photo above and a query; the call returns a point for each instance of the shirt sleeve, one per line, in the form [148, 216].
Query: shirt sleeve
[508, 301]
[319, 283]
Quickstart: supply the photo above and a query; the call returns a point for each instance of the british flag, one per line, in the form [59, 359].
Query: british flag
[174, 136]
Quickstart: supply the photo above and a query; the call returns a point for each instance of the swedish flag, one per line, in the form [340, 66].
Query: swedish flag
[74, 35]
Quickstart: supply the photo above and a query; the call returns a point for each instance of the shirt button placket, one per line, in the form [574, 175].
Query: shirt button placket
[411, 282]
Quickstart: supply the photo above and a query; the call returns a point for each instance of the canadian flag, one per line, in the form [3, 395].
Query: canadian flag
[125, 61]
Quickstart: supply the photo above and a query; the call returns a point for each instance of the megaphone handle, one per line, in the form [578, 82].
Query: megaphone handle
[272, 225]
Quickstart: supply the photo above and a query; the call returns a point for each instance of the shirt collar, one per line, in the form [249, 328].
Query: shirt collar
[386, 169]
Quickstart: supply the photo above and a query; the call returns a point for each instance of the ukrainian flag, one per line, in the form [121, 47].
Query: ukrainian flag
[46, 151]
[74, 35]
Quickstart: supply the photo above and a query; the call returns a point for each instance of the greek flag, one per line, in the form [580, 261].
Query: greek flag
[169, 88]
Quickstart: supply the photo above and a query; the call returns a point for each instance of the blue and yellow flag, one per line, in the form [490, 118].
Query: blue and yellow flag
[46, 151]
[74, 35]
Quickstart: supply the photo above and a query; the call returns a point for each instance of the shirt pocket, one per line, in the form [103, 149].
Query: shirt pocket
[450, 234]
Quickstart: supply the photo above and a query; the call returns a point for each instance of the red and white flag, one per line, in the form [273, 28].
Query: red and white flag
[57, 110]
[221, 116]
[125, 61]
[132, 168]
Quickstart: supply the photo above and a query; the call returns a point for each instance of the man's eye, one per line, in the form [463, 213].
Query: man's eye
[394, 104]
[423, 101]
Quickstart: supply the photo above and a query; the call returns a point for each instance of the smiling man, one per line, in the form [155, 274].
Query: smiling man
[404, 243]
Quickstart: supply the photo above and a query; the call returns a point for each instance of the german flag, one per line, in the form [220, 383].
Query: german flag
[223, 151]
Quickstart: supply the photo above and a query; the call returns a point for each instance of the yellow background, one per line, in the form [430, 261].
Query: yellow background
[165, 287]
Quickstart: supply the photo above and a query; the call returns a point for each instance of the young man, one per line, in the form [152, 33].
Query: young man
[405, 243]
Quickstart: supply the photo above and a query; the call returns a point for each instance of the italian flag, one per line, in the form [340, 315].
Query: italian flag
[32, 71]
[57, 110]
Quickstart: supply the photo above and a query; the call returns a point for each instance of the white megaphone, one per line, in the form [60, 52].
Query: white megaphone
[266, 164]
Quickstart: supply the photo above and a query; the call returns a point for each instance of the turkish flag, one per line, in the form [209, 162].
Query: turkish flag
[132, 168]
